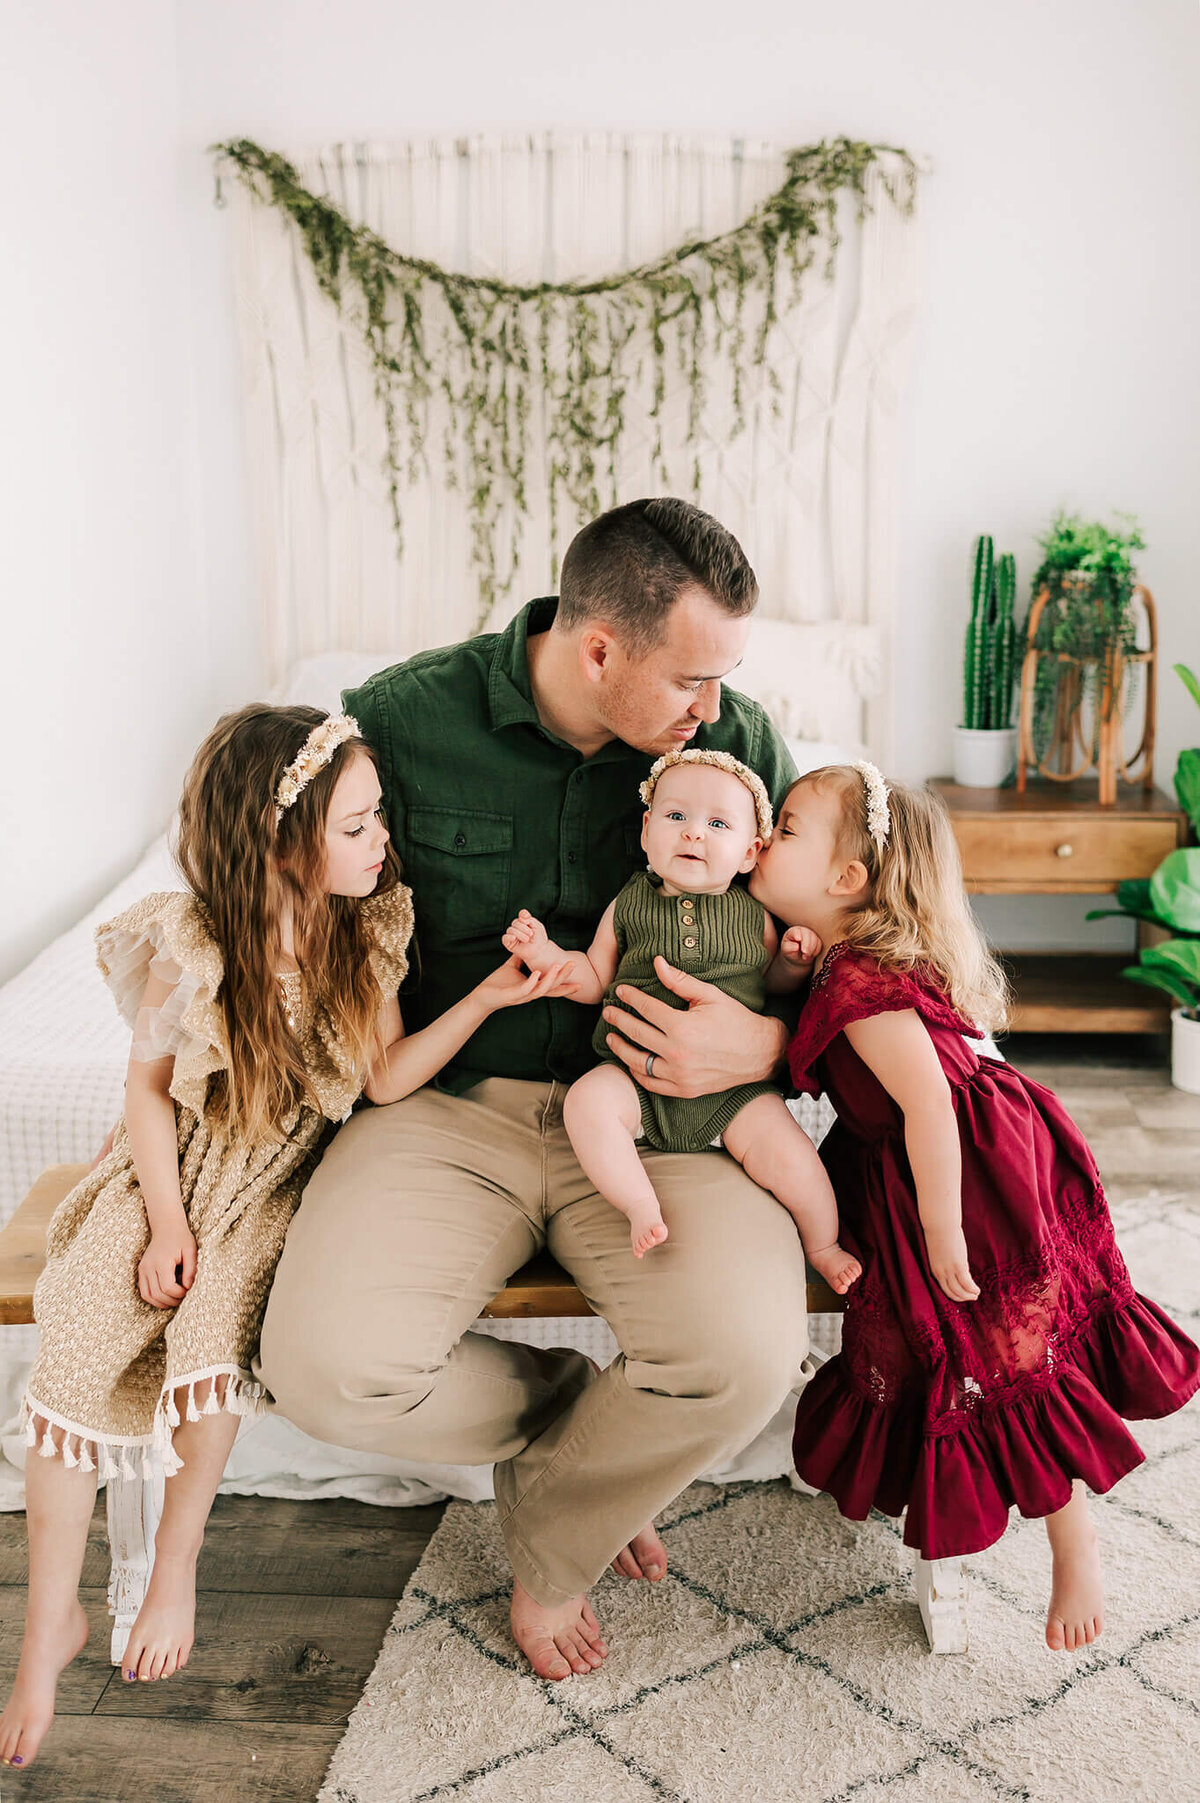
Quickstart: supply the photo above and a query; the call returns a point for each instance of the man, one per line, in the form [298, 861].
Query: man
[510, 767]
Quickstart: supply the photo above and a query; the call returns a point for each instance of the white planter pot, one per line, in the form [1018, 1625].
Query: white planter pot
[1185, 1052]
[983, 758]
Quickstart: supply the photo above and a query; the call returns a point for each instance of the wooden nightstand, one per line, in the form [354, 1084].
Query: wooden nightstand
[1056, 839]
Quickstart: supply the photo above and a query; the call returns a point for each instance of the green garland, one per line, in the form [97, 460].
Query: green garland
[495, 349]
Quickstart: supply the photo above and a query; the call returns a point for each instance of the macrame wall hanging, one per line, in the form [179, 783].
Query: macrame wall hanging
[482, 343]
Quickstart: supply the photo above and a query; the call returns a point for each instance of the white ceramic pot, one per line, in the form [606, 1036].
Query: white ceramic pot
[1185, 1052]
[983, 757]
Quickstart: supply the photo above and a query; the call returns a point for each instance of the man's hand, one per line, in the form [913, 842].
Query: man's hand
[167, 1268]
[712, 1044]
[800, 948]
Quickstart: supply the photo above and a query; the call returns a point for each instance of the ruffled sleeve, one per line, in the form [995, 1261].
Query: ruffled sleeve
[168, 936]
[389, 920]
[853, 986]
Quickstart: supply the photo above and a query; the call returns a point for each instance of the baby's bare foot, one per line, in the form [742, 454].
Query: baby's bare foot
[1076, 1613]
[646, 1230]
[49, 1646]
[836, 1266]
[644, 1557]
[556, 1639]
[161, 1637]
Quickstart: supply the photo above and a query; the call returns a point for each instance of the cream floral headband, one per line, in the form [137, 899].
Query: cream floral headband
[313, 756]
[879, 819]
[718, 760]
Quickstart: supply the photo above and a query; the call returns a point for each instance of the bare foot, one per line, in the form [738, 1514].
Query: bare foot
[557, 1639]
[836, 1266]
[161, 1637]
[644, 1557]
[30, 1709]
[646, 1228]
[1076, 1612]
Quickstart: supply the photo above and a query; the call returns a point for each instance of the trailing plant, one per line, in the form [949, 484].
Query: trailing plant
[991, 634]
[1187, 770]
[499, 352]
[1171, 897]
[1087, 569]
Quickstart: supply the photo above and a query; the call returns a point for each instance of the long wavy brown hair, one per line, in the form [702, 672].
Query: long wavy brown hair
[246, 871]
[915, 909]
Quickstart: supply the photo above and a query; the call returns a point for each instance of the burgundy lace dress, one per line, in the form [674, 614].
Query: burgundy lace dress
[959, 1410]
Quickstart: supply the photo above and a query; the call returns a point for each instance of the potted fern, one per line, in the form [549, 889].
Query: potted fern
[985, 745]
[1170, 900]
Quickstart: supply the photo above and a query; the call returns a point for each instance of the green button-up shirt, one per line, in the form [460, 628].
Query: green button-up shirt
[491, 813]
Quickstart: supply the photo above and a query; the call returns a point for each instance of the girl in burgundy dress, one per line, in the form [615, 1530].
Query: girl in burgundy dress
[994, 1340]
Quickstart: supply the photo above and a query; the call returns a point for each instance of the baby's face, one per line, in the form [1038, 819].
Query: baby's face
[701, 829]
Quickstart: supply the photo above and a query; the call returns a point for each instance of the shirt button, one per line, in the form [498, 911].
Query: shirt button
[570, 857]
[685, 901]
[688, 921]
[689, 942]
[460, 839]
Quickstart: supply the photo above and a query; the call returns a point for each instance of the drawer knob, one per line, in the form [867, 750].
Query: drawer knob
[1064, 851]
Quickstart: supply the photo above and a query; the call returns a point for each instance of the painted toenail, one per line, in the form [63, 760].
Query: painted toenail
[17, 1760]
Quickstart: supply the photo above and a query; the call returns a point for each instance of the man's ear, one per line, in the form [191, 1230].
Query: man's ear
[851, 882]
[751, 857]
[596, 646]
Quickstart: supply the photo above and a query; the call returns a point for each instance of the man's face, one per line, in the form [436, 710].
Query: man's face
[656, 701]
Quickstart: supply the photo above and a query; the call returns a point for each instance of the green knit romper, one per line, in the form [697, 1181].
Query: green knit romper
[718, 938]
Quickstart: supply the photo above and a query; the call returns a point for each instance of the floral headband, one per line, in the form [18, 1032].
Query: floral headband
[718, 760]
[879, 819]
[314, 754]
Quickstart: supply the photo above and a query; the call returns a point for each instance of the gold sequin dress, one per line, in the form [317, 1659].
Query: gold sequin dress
[109, 1363]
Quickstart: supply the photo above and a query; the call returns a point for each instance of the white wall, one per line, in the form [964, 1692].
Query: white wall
[1057, 359]
[108, 653]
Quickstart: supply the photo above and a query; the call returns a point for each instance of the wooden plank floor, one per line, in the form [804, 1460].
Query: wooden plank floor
[295, 1597]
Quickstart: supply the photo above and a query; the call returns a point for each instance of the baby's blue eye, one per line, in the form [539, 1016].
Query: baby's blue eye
[674, 814]
[718, 823]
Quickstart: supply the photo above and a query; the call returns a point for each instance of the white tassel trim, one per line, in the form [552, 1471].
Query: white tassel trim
[231, 1390]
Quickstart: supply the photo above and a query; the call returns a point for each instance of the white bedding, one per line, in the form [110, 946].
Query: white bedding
[63, 1050]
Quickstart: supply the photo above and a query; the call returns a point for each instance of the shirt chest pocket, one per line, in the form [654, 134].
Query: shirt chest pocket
[459, 863]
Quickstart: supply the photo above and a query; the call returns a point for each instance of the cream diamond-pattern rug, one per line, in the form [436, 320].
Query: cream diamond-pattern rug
[783, 1656]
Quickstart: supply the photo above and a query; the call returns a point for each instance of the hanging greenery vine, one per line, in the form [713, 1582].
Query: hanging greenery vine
[496, 350]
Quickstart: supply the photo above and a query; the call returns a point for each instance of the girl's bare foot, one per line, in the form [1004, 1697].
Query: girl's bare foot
[49, 1646]
[161, 1637]
[1076, 1612]
[557, 1639]
[646, 1228]
[836, 1266]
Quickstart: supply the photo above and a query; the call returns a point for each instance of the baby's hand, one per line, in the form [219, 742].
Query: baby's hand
[167, 1253]
[948, 1262]
[800, 947]
[526, 936]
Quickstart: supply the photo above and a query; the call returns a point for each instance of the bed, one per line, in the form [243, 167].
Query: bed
[63, 1051]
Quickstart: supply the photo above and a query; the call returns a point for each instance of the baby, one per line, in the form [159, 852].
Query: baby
[707, 818]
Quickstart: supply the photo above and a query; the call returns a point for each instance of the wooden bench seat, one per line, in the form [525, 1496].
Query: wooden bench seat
[539, 1289]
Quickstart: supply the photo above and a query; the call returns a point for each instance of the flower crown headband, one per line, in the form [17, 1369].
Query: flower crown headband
[316, 751]
[879, 819]
[718, 760]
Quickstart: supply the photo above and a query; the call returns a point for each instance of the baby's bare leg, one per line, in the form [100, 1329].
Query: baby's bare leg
[773, 1149]
[161, 1637]
[58, 1507]
[603, 1117]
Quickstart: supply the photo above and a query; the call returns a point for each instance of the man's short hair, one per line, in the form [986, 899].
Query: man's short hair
[628, 567]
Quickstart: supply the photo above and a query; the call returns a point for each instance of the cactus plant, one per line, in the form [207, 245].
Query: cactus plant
[991, 637]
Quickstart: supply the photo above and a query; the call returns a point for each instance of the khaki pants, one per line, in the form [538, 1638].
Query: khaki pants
[417, 1216]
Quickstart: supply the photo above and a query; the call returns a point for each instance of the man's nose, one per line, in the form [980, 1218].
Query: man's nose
[707, 702]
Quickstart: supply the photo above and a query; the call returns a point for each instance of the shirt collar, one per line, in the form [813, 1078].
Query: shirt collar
[510, 691]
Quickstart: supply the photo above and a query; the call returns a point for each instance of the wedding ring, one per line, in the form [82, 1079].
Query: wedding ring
[650, 1057]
